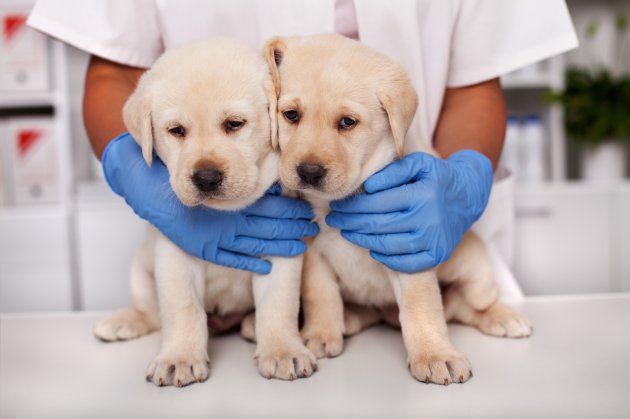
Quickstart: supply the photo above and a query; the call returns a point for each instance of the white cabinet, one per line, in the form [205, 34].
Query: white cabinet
[35, 260]
[621, 239]
[108, 235]
[564, 239]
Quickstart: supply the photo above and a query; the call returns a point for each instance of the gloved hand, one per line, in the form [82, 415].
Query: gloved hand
[416, 210]
[272, 226]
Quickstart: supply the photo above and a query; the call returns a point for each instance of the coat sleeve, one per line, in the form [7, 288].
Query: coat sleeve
[123, 31]
[492, 38]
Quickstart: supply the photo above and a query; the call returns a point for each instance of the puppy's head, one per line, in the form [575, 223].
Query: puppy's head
[343, 112]
[208, 110]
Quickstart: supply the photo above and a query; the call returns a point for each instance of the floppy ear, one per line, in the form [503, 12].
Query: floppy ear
[400, 101]
[137, 117]
[274, 51]
[273, 111]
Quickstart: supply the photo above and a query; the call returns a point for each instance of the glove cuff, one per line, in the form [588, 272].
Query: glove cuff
[113, 158]
[482, 167]
[478, 162]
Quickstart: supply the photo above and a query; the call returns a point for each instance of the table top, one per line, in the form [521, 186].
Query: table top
[575, 365]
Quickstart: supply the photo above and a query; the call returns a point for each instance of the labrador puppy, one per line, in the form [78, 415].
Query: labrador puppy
[344, 111]
[209, 106]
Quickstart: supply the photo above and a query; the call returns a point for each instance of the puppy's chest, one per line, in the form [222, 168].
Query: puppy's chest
[224, 290]
[227, 291]
[362, 280]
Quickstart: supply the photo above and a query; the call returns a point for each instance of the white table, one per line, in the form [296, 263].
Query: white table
[576, 365]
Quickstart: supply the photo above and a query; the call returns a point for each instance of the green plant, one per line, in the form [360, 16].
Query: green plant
[596, 103]
[596, 106]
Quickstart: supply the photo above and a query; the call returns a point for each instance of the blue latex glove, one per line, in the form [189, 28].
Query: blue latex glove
[272, 226]
[416, 210]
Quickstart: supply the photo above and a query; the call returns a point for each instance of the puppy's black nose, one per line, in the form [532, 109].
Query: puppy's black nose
[311, 174]
[207, 180]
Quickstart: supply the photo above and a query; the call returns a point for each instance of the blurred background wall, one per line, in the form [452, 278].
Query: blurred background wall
[66, 241]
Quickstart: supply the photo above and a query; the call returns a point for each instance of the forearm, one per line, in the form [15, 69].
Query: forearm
[472, 117]
[107, 87]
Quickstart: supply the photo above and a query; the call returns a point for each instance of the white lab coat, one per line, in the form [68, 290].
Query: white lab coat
[441, 43]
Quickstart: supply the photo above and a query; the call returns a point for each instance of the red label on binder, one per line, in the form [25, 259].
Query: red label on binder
[26, 140]
[12, 25]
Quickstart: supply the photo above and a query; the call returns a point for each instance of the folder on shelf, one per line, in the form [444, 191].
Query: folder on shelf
[24, 63]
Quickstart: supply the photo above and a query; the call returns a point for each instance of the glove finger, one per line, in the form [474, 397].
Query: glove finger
[246, 263]
[385, 244]
[276, 228]
[127, 173]
[259, 247]
[273, 206]
[391, 200]
[387, 223]
[409, 263]
[408, 169]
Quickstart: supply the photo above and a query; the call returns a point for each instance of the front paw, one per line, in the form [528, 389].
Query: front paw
[323, 343]
[178, 370]
[443, 367]
[286, 362]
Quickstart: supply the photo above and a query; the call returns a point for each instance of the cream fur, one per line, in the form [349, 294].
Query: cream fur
[325, 78]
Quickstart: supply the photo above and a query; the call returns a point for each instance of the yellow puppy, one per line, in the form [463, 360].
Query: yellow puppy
[209, 112]
[344, 111]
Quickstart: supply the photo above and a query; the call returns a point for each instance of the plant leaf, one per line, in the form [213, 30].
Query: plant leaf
[621, 22]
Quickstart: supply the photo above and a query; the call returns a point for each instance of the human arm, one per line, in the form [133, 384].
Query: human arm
[473, 118]
[416, 210]
[107, 87]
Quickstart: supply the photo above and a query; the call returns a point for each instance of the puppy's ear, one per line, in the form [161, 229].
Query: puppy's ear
[274, 52]
[400, 101]
[137, 117]
[273, 111]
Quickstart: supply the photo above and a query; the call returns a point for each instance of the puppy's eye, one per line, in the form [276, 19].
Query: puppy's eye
[177, 131]
[233, 124]
[291, 116]
[346, 122]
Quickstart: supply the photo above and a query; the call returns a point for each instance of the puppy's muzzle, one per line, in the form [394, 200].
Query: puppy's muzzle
[311, 174]
[207, 180]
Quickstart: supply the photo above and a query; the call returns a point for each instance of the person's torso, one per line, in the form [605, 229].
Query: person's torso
[416, 33]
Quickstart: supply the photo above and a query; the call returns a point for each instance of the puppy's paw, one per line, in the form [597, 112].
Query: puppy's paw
[323, 344]
[440, 368]
[178, 370]
[286, 362]
[504, 321]
[123, 325]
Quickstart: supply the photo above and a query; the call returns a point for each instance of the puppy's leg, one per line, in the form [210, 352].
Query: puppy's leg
[469, 270]
[432, 358]
[279, 350]
[357, 318]
[143, 318]
[323, 307]
[472, 295]
[183, 357]
[496, 320]
[248, 327]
